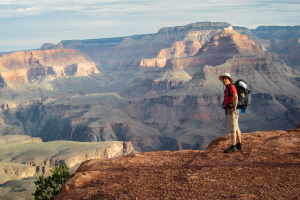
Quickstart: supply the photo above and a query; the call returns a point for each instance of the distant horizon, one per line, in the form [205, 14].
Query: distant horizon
[38, 48]
[28, 24]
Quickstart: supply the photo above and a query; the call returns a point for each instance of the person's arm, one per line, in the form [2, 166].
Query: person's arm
[235, 100]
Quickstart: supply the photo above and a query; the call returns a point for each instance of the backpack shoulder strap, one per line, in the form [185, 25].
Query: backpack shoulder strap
[228, 90]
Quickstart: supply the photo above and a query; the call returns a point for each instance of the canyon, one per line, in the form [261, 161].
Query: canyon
[156, 91]
[157, 95]
[163, 96]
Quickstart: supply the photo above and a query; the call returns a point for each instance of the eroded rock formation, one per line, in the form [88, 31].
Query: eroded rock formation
[21, 66]
[221, 47]
[124, 52]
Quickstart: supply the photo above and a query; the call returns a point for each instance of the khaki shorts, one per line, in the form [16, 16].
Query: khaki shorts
[232, 121]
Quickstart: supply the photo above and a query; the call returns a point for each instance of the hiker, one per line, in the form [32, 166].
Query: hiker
[231, 112]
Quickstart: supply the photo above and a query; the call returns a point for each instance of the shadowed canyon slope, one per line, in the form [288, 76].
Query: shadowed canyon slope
[267, 167]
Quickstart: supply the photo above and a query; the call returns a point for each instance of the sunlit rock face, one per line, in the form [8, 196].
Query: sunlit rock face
[21, 66]
[221, 47]
[179, 49]
[226, 44]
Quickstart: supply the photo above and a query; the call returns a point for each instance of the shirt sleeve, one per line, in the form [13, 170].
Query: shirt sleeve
[233, 90]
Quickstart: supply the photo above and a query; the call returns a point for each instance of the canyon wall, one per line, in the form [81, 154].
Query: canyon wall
[191, 61]
[146, 50]
[283, 40]
[30, 156]
[21, 66]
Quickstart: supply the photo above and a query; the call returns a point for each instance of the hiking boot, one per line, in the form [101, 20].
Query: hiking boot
[231, 149]
[239, 146]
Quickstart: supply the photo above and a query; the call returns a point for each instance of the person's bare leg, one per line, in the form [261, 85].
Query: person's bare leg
[239, 136]
[233, 138]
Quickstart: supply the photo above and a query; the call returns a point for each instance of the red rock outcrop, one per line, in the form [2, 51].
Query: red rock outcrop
[225, 45]
[19, 66]
[19, 76]
[179, 49]
[267, 167]
[218, 50]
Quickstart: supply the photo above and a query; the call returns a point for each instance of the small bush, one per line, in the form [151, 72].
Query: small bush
[48, 188]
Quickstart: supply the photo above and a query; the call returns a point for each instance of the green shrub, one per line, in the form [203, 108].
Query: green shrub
[48, 188]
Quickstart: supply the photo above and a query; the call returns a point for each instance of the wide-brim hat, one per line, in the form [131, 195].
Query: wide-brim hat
[226, 75]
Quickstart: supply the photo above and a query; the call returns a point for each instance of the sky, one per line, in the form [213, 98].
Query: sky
[27, 24]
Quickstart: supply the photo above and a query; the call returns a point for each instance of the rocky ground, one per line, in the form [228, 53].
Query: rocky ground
[267, 168]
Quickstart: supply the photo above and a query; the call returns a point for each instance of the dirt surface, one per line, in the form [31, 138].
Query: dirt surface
[267, 168]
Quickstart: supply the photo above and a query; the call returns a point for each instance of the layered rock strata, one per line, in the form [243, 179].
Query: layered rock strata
[178, 113]
[21, 66]
[179, 49]
[129, 51]
[283, 40]
[86, 118]
[221, 47]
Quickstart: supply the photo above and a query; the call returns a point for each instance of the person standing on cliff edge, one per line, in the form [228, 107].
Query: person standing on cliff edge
[232, 114]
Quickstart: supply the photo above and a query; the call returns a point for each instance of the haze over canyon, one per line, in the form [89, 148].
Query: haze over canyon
[153, 92]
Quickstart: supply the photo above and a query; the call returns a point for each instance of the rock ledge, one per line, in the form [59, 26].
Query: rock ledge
[268, 167]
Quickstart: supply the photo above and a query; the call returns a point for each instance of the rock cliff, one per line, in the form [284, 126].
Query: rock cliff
[150, 49]
[86, 118]
[221, 47]
[23, 156]
[265, 168]
[21, 66]
[179, 49]
[283, 40]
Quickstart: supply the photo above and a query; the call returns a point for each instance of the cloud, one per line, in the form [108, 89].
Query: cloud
[16, 8]
[32, 21]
